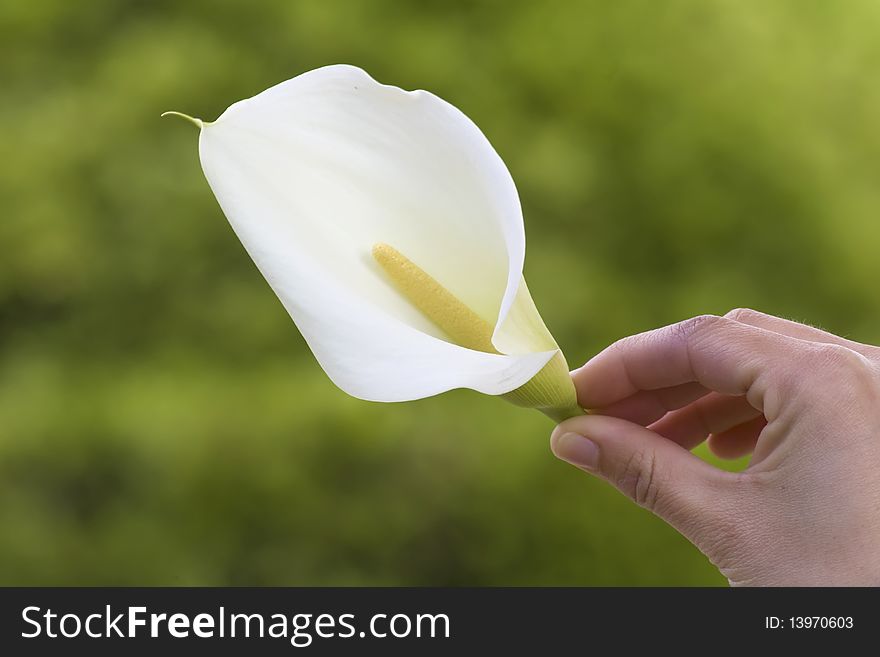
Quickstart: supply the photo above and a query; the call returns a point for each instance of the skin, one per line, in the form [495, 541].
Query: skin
[804, 403]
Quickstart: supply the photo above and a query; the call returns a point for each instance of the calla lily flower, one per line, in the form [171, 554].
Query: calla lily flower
[392, 232]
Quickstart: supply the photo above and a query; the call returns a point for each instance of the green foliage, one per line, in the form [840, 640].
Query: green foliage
[162, 422]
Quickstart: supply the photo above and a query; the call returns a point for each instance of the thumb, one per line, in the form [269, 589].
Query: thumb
[656, 473]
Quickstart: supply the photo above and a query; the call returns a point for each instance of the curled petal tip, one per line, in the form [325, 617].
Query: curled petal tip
[196, 122]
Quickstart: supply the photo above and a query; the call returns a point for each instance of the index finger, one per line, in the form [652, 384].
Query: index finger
[719, 353]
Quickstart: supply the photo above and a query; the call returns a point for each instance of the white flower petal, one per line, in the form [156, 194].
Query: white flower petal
[523, 330]
[314, 171]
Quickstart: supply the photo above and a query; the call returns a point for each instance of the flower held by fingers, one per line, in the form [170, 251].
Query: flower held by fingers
[392, 232]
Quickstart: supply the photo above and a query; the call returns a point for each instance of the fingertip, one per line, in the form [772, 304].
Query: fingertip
[599, 382]
[727, 450]
[571, 425]
[575, 449]
[738, 441]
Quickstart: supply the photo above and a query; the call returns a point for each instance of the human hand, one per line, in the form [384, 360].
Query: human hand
[804, 402]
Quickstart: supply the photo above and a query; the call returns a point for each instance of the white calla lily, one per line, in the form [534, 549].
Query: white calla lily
[392, 232]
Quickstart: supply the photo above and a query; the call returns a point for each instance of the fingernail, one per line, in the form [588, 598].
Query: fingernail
[577, 450]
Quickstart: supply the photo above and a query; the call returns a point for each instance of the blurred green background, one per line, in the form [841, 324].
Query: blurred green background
[162, 421]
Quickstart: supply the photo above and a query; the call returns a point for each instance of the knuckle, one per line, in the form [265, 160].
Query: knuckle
[689, 329]
[745, 315]
[838, 358]
[790, 382]
[640, 480]
[850, 371]
[805, 366]
[623, 346]
[619, 346]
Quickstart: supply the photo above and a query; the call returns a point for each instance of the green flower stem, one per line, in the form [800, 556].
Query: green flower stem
[551, 391]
